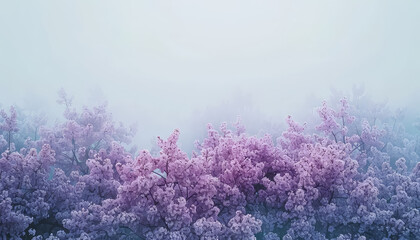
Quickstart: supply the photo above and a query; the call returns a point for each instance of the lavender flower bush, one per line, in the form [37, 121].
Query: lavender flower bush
[349, 177]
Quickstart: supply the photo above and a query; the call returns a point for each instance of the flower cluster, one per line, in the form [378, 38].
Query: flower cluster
[348, 178]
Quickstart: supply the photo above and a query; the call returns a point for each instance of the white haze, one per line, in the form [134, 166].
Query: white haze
[181, 64]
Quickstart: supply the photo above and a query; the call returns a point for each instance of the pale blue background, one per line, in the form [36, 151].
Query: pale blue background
[179, 64]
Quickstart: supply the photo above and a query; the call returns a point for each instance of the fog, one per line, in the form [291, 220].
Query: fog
[181, 64]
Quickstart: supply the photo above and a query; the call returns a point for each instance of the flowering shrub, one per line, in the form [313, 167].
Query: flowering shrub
[348, 178]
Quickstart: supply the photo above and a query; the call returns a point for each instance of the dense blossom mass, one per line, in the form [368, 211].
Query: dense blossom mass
[354, 175]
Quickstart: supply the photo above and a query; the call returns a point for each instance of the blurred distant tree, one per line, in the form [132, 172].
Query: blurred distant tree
[9, 125]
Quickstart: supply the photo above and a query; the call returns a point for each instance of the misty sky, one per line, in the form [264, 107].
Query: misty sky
[180, 64]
